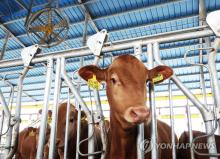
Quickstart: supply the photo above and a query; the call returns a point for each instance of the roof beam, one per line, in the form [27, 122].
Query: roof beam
[21, 3]
[87, 13]
[7, 30]
[111, 15]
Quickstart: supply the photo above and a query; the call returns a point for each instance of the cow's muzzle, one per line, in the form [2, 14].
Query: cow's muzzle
[137, 114]
[59, 143]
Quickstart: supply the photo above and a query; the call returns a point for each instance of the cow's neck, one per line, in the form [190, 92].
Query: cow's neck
[123, 142]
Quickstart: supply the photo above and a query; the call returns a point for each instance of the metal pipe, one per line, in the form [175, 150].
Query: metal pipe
[211, 139]
[4, 105]
[154, 135]
[10, 127]
[78, 130]
[55, 109]
[79, 115]
[1, 124]
[73, 89]
[202, 16]
[4, 47]
[140, 136]
[85, 28]
[188, 113]
[43, 123]
[173, 136]
[123, 44]
[100, 112]
[213, 73]
[101, 124]
[17, 113]
[67, 125]
[208, 116]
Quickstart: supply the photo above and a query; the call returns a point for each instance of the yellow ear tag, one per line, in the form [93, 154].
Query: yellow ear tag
[49, 120]
[157, 78]
[32, 133]
[94, 83]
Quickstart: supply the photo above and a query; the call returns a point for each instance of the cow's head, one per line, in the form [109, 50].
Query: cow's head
[126, 81]
[61, 123]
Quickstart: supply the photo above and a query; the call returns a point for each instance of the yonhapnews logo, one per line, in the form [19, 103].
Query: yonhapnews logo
[147, 145]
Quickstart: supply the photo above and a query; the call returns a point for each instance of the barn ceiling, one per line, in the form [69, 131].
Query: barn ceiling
[123, 19]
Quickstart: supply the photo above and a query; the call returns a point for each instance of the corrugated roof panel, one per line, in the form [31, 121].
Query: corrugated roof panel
[74, 15]
[17, 27]
[12, 54]
[154, 28]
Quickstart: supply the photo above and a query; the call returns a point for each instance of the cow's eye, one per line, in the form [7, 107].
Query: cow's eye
[71, 120]
[113, 80]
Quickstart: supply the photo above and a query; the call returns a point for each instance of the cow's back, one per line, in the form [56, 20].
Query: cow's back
[184, 149]
[27, 144]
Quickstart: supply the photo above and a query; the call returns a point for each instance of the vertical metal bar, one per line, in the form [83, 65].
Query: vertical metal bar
[1, 124]
[140, 137]
[211, 139]
[4, 47]
[215, 86]
[101, 124]
[189, 122]
[17, 113]
[154, 153]
[202, 16]
[100, 112]
[78, 130]
[79, 115]
[91, 142]
[85, 28]
[172, 120]
[55, 109]
[8, 139]
[43, 123]
[4, 105]
[10, 127]
[67, 125]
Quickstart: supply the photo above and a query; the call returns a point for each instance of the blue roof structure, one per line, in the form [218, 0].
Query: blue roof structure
[123, 19]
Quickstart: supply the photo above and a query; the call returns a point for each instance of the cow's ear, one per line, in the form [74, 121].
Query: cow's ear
[87, 72]
[83, 115]
[49, 113]
[159, 74]
[40, 111]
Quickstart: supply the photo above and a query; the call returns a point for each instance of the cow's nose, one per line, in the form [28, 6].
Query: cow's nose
[57, 142]
[137, 114]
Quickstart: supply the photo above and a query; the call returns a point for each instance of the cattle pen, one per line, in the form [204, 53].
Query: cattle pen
[71, 77]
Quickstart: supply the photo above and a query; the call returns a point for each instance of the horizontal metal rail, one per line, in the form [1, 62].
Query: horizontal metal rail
[119, 45]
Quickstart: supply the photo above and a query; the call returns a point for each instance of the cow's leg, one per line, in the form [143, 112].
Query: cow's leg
[46, 152]
[61, 153]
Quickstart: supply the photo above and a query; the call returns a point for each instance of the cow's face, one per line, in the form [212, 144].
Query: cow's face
[126, 86]
[61, 124]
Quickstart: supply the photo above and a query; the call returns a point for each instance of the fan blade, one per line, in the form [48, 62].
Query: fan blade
[56, 35]
[49, 18]
[38, 29]
[43, 39]
[62, 23]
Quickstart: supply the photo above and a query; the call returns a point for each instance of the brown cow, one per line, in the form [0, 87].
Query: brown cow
[61, 124]
[200, 145]
[126, 91]
[28, 139]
